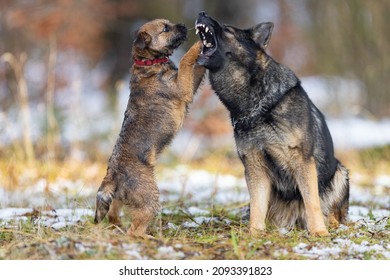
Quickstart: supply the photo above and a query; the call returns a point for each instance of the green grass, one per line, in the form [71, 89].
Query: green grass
[224, 237]
[216, 240]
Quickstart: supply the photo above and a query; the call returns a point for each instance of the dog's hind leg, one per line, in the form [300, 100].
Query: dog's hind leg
[114, 213]
[143, 203]
[104, 198]
[140, 220]
[307, 179]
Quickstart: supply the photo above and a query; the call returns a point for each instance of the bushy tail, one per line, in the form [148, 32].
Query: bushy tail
[340, 186]
[335, 202]
[103, 201]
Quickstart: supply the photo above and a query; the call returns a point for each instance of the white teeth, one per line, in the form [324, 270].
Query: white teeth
[197, 31]
[209, 45]
[205, 42]
[207, 29]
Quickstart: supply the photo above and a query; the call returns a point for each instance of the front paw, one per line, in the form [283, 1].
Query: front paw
[199, 46]
[321, 232]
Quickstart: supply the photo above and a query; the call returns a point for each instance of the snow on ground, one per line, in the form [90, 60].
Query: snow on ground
[55, 218]
[201, 187]
[341, 246]
[73, 202]
[62, 192]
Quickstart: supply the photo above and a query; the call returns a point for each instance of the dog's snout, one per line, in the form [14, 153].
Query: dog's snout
[181, 27]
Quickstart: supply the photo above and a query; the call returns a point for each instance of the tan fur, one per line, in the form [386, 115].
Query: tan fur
[286, 215]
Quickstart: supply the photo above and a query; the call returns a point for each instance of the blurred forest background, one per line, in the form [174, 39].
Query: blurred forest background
[64, 68]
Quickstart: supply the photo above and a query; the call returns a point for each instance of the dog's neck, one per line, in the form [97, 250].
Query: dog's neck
[150, 62]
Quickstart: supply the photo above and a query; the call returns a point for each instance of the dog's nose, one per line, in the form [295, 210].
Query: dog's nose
[202, 14]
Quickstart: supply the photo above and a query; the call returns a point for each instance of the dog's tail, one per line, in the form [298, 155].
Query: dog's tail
[336, 202]
[103, 200]
[338, 199]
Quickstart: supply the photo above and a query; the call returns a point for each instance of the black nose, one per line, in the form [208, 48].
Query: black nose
[181, 27]
[202, 14]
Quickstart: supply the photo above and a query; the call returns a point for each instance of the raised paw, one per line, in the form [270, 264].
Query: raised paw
[198, 45]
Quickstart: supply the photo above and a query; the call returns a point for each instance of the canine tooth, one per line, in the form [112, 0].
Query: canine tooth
[205, 43]
[197, 31]
[207, 29]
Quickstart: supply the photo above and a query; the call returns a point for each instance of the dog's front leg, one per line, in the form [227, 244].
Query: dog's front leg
[189, 76]
[306, 177]
[259, 187]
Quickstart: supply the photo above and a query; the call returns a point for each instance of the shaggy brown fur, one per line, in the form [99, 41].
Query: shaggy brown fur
[160, 94]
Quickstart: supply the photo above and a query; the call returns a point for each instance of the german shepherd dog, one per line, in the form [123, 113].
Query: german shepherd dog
[282, 139]
[160, 94]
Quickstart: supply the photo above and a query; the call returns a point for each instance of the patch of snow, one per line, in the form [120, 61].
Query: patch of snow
[59, 225]
[197, 211]
[356, 213]
[342, 228]
[133, 251]
[199, 221]
[227, 221]
[365, 196]
[190, 225]
[172, 226]
[11, 213]
[168, 252]
[43, 193]
[342, 246]
[280, 253]
[55, 219]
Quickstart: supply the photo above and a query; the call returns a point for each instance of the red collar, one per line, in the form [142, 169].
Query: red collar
[150, 62]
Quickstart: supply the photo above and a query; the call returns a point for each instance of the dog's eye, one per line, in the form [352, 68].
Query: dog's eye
[166, 28]
[228, 29]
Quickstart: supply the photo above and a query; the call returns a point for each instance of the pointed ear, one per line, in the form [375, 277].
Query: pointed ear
[261, 34]
[142, 40]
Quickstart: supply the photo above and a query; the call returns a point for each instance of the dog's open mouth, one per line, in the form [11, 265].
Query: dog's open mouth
[207, 36]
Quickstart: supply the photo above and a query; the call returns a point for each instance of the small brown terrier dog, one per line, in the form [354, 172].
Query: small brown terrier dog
[160, 94]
